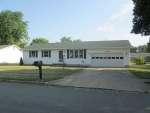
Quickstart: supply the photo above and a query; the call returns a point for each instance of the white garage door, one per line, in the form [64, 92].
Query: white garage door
[108, 60]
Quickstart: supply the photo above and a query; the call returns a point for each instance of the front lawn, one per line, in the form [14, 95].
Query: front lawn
[140, 71]
[31, 73]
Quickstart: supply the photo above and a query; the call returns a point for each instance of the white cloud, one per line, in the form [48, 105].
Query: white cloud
[125, 10]
[105, 28]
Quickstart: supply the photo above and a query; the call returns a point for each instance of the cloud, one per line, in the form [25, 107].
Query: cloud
[125, 10]
[105, 28]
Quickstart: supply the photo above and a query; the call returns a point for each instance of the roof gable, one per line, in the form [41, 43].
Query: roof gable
[5, 46]
[81, 45]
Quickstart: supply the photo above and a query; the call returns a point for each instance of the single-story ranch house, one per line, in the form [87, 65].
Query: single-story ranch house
[91, 53]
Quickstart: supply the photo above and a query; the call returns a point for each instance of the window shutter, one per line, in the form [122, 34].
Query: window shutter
[84, 53]
[67, 53]
[42, 53]
[49, 53]
[36, 53]
[29, 53]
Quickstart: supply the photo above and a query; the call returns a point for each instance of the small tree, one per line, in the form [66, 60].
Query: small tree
[21, 61]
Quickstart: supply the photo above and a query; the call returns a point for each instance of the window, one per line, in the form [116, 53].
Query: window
[109, 57]
[46, 53]
[121, 57]
[113, 57]
[101, 57]
[33, 54]
[97, 57]
[117, 57]
[76, 54]
[105, 57]
[71, 54]
[93, 57]
[80, 53]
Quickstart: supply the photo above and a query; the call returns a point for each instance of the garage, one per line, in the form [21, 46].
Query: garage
[107, 60]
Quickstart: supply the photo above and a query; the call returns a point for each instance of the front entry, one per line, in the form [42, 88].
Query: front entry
[60, 56]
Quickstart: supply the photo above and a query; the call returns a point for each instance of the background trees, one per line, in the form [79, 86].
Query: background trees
[68, 39]
[13, 30]
[39, 40]
[139, 49]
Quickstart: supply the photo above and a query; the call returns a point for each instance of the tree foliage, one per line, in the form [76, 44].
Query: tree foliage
[39, 41]
[13, 30]
[77, 40]
[141, 20]
[133, 49]
[139, 49]
[68, 39]
[148, 47]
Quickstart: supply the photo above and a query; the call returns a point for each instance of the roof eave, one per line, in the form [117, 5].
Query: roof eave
[76, 48]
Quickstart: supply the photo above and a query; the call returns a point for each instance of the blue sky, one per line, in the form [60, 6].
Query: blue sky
[88, 20]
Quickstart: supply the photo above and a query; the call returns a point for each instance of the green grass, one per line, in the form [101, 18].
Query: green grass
[31, 73]
[140, 71]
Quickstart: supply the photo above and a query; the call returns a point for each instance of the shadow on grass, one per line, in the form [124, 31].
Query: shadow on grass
[31, 73]
[141, 74]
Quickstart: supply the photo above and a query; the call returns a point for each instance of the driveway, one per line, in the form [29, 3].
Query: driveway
[105, 78]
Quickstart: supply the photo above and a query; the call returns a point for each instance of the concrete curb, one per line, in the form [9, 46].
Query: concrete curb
[28, 82]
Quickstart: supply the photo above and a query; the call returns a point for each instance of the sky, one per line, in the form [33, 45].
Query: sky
[88, 20]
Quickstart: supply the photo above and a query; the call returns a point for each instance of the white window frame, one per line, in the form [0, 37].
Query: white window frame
[73, 54]
[44, 54]
[32, 54]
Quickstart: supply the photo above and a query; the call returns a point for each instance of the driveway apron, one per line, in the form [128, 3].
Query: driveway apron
[105, 78]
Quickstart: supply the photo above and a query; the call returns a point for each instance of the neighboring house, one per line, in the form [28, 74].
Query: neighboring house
[90, 53]
[145, 55]
[10, 54]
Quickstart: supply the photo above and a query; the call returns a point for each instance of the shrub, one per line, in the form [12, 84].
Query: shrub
[21, 61]
[139, 61]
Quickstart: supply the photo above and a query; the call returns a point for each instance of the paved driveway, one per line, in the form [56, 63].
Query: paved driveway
[107, 78]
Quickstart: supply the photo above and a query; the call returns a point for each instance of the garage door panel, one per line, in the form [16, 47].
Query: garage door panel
[108, 60]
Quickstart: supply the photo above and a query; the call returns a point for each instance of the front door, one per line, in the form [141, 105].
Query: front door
[60, 56]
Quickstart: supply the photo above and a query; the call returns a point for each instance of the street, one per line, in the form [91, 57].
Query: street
[33, 98]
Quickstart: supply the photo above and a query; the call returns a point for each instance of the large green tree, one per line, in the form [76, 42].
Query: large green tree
[39, 41]
[13, 30]
[68, 39]
[141, 20]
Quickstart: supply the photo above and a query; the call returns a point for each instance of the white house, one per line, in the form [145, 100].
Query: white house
[145, 55]
[10, 54]
[91, 53]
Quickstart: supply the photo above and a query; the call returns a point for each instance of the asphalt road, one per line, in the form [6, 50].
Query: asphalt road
[31, 98]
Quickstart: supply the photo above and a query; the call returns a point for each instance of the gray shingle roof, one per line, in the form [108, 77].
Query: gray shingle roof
[81, 45]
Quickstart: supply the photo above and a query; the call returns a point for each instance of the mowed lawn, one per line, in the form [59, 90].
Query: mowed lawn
[31, 73]
[140, 71]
